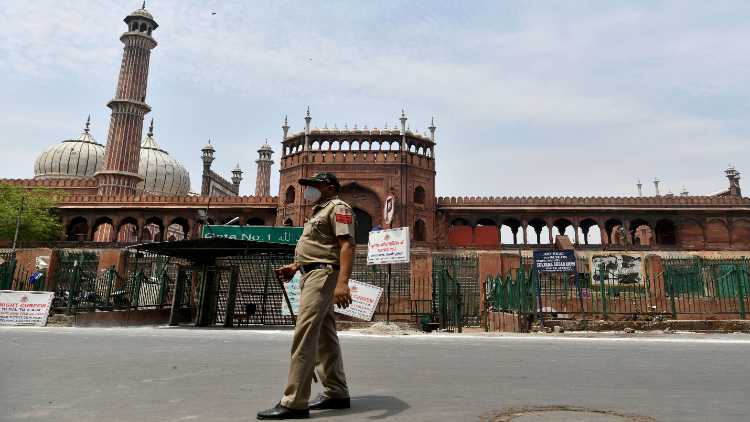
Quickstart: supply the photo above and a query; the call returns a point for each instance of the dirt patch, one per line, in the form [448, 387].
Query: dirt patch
[392, 329]
[560, 413]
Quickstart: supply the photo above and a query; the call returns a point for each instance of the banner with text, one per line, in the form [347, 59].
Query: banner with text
[283, 235]
[388, 246]
[24, 308]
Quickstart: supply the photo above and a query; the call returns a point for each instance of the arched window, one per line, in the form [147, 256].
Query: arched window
[78, 229]
[143, 27]
[666, 232]
[419, 231]
[419, 195]
[288, 222]
[290, 195]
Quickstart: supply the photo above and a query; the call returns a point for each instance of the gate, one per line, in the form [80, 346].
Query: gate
[456, 290]
[242, 291]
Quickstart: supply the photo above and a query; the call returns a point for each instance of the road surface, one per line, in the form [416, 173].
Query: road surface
[162, 374]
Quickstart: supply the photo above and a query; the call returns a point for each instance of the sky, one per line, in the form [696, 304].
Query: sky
[530, 98]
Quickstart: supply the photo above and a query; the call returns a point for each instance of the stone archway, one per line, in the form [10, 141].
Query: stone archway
[358, 196]
[362, 226]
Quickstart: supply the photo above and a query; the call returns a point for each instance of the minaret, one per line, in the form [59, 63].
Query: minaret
[734, 181]
[307, 129]
[640, 187]
[432, 135]
[656, 186]
[119, 173]
[263, 177]
[237, 177]
[207, 156]
[285, 128]
[403, 130]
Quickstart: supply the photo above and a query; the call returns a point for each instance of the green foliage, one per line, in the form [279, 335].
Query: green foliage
[38, 220]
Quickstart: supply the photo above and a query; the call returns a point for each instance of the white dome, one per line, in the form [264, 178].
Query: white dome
[74, 158]
[162, 174]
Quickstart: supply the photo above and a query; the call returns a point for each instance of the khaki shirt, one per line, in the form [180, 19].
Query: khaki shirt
[319, 243]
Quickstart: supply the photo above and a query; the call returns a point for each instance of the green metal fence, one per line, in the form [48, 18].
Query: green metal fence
[7, 269]
[699, 285]
[147, 283]
[686, 288]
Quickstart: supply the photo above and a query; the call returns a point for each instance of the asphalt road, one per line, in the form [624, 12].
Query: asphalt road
[148, 374]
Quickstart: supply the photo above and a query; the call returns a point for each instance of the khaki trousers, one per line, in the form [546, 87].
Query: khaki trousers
[315, 343]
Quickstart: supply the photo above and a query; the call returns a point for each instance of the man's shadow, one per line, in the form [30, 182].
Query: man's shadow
[387, 406]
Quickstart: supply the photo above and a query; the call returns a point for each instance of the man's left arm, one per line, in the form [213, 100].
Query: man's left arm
[343, 223]
[341, 295]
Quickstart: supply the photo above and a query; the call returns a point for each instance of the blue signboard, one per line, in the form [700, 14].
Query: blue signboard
[555, 261]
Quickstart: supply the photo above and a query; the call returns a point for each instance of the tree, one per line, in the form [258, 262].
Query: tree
[38, 220]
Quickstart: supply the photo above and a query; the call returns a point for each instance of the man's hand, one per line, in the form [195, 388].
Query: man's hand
[341, 295]
[285, 273]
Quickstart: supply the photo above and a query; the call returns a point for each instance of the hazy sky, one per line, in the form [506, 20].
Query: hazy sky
[530, 98]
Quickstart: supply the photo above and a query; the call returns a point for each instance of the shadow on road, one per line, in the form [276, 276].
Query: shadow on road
[387, 406]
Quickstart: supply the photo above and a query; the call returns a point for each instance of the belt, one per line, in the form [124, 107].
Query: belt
[304, 269]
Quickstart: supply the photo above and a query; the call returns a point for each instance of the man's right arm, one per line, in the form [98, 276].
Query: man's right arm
[286, 272]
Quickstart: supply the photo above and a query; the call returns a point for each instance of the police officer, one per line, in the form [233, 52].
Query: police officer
[324, 256]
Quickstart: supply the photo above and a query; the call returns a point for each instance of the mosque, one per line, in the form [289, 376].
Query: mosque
[130, 189]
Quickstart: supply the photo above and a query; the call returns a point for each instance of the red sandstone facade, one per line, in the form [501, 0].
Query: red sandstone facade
[371, 165]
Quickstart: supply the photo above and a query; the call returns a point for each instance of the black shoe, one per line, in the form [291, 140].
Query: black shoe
[323, 402]
[280, 412]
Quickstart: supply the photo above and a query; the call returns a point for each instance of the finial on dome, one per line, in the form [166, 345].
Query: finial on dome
[88, 123]
[143, 6]
[307, 115]
[151, 129]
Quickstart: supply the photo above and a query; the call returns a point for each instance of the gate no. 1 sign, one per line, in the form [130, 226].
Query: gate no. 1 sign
[555, 261]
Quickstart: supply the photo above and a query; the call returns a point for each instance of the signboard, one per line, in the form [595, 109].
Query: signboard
[293, 292]
[388, 246]
[283, 235]
[365, 299]
[555, 261]
[24, 308]
[388, 210]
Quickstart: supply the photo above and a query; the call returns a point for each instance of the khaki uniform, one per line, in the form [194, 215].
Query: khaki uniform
[315, 343]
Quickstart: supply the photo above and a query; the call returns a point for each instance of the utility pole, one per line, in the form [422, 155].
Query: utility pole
[18, 224]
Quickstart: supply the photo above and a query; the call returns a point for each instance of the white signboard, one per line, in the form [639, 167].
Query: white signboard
[292, 292]
[365, 299]
[24, 308]
[388, 246]
[388, 207]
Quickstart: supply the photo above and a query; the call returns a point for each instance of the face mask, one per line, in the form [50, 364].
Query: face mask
[312, 194]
